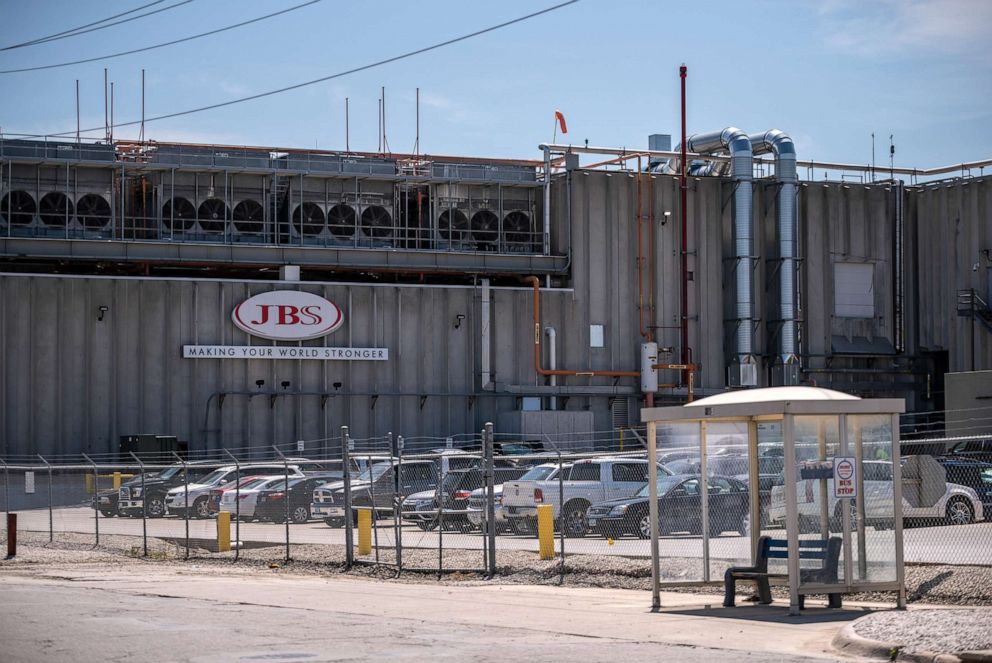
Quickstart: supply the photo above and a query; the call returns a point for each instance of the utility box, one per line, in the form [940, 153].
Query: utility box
[152, 448]
[564, 430]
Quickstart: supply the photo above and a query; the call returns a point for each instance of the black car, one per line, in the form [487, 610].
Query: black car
[107, 500]
[271, 504]
[679, 509]
[455, 490]
[379, 487]
[133, 497]
[971, 473]
[971, 450]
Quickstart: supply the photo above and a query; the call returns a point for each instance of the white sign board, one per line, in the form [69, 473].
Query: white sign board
[845, 477]
[283, 352]
[287, 315]
[299, 446]
[29, 482]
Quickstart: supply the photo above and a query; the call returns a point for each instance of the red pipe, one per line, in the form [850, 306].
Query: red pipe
[536, 282]
[685, 243]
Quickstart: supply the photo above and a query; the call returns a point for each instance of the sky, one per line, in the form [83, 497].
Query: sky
[828, 73]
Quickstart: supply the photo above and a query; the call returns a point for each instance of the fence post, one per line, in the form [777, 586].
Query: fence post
[237, 506]
[144, 504]
[349, 552]
[490, 517]
[186, 491]
[439, 498]
[561, 519]
[51, 523]
[398, 505]
[96, 500]
[285, 464]
[6, 484]
[375, 521]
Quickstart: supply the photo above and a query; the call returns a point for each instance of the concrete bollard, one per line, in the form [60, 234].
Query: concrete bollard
[11, 535]
[546, 531]
[364, 531]
[223, 531]
[117, 480]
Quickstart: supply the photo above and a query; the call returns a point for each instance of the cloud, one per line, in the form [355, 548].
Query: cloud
[890, 27]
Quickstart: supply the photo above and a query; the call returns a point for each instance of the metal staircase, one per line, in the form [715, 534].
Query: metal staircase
[970, 304]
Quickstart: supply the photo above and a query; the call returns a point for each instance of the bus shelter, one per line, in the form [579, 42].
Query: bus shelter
[803, 465]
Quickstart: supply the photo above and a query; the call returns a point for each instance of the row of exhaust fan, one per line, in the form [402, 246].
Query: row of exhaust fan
[741, 148]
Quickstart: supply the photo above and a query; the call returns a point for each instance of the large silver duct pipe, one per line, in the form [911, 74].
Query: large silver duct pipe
[736, 142]
[784, 149]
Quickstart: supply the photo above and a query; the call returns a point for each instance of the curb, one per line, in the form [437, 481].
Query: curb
[847, 641]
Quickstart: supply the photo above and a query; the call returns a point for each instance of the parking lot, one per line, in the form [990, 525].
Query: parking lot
[928, 545]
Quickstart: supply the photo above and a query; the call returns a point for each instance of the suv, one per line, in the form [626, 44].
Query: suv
[133, 497]
[971, 450]
[973, 474]
[377, 488]
[199, 492]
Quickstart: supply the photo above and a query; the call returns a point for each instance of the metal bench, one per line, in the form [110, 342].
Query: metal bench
[827, 550]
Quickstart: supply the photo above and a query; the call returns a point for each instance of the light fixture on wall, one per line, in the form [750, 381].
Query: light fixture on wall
[102, 311]
[285, 384]
[259, 383]
[665, 217]
[337, 386]
[458, 320]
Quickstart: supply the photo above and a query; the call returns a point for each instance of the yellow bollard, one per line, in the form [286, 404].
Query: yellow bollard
[223, 531]
[90, 489]
[546, 531]
[117, 480]
[364, 531]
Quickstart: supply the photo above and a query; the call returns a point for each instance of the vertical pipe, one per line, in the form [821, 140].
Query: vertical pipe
[484, 318]
[553, 361]
[685, 245]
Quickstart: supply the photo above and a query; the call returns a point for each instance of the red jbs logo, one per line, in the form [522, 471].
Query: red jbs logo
[287, 315]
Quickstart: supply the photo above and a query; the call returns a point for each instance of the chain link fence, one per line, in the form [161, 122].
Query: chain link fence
[470, 504]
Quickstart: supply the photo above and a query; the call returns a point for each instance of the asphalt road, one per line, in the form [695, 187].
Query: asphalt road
[937, 545]
[138, 613]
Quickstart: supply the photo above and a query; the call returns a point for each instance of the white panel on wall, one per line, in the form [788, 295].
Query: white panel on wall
[854, 290]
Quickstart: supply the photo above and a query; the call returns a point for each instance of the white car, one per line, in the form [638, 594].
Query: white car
[959, 505]
[243, 499]
[199, 493]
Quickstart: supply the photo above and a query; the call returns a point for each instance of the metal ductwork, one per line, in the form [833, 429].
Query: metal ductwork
[786, 371]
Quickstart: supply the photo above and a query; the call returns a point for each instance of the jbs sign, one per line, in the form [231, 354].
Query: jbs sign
[287, 315]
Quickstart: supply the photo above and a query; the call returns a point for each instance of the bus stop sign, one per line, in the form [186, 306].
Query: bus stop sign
[845, 476]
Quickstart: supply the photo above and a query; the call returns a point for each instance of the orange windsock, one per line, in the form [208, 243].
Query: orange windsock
[561, 121]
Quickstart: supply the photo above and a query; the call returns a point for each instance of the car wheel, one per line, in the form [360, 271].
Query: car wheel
[155, 507]
[575, 522]
[523, 526]
[301, 514]
[200, 508]
[427, 525]
[837, 521]
[334, 522]
[960, 511]
[644, 526]
[107, 513]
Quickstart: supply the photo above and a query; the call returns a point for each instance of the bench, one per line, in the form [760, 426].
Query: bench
[827, 550]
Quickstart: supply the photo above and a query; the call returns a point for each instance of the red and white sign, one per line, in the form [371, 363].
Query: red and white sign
[845, 476]
[287, 315]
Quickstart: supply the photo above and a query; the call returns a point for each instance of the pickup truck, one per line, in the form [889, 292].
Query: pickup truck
[377, 488]
[589, 481]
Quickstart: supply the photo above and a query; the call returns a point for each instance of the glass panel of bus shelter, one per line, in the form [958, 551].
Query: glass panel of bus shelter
[679, 508]
[728, 476]
[817, 442]
[771, 486]
[873, 553]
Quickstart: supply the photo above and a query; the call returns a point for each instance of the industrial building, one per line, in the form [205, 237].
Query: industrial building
[554, 297]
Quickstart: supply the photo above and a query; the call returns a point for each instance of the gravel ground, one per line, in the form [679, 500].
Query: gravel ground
[925, 584]
[941, 631]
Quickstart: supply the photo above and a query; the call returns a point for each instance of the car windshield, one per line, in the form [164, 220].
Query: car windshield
[374, 472]
[538, 473]
[213, 477]
[727, 466]
[664, 485]
[252, 482]
[453, 480]
[683, 466]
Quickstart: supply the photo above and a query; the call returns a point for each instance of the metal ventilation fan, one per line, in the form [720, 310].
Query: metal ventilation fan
[376, 222]
[212, 215]
[453, 224]
[18, 208]
[485, 227]
[55, 209]
[313, 219]
[516, 228]
[341, 220]
[93, 211]
[178, 214]
[249, 217]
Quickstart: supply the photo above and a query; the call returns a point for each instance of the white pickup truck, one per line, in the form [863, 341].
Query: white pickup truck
[588, 482]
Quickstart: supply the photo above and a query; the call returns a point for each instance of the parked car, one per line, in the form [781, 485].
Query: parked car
[133, 498]
[680, 509]
[376, 488]
[959, 505]
[455, 492]
[477, 501]
[272, 498]
[199, 492]
[971, 473]
[736, 466]
[589, 481]
[230, 496]
[106, 501]
[971, 450]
